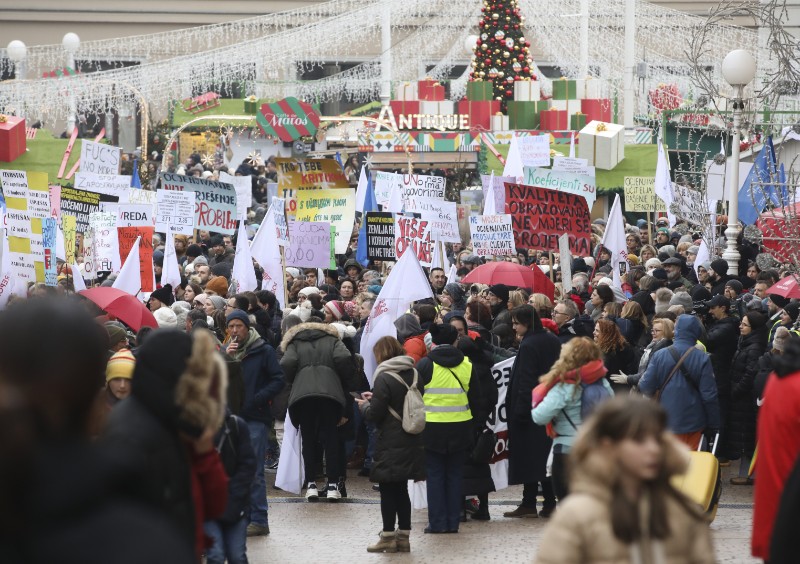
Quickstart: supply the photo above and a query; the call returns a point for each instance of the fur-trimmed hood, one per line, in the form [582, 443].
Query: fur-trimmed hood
[307, 331]
[202, 389]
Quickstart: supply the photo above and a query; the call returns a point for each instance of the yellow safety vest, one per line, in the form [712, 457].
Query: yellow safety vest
[445, 399]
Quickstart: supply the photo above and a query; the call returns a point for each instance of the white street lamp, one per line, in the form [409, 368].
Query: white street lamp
[18, 52]
[738, 70]
[71, 43]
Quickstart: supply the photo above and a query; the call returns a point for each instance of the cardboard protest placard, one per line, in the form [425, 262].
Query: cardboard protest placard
[413, 234]
[18, 223]
[127, 237]
[175, 212]
[474, 199]
[55, 201]
[38, 209]
[137, 196]
[534, 150]
[310, 174]
[49, 238]
[244, 191]
[337, 207]
[106, 243]
[442, 216]
[134, 215]
[539, 216]
[111, 184]
[574, 165]
[640, 194]
[99, 158]
[310, 244]
[569, 182]
[80, 203]
[385, 184]
[215, 202]
[380, 235]
[279, 215]
[69, 229]
[690, 205]
[417, 186]
[492, 235]
[499, 191]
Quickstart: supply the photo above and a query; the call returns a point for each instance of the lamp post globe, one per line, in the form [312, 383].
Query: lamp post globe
[17, 51]
[739, 68]
[71, 42]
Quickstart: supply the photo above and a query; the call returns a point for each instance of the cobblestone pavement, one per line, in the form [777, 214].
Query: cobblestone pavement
[328, 532]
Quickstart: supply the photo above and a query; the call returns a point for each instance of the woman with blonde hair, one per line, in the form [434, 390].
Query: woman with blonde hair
[663, 330]
[622, 507]
[647, 252]
[633, 324]
[542, 305]
[516, 298]
[559, 397]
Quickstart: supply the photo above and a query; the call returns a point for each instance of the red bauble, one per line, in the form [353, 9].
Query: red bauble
[483, 9]
[488, 61]
[527, 43]
[509, 93]
[505, 27]
[521, 58]
[526, 70]
[516, 26]
[481, 24]
[478, 42]
[508, 12]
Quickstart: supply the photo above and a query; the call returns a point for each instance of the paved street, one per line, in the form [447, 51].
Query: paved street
[326, 532]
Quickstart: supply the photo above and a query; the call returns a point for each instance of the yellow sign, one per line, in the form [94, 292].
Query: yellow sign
[640, 195]
[311, 174]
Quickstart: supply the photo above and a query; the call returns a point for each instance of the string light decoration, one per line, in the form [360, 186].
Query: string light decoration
[502, 55]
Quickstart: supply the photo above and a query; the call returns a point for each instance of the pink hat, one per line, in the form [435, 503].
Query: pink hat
[335, 308]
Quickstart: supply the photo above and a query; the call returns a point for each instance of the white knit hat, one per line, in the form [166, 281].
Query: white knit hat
[165, 317]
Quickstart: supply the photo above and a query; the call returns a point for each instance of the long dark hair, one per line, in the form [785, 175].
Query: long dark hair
[527, 316]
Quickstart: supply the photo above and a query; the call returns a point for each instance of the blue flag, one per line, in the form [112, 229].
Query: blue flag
[370, 205]
[135, 181]
[338, 158]
[760, 186]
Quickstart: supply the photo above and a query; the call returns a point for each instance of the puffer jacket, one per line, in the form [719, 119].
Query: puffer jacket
[581, 530]
[691, 406]
[742, 421]
[316, 364]
[722, 337]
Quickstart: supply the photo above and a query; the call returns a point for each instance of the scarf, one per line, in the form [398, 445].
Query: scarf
[396, 364]
[252, 337]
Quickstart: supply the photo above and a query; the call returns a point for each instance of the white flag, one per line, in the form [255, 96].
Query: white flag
[439, 259]
[489, 202]
[171, 271]
[129, 278]
[264, 248]
[614, 241]
[702, 256]
[406, 283]
[243, 273]
[7, 278]
[514, 161]
[395, 204]
[290, 462]
[77, 278]
[663, 185]
[452, 274]
[572, 146]
[361, 190]
[61, 246]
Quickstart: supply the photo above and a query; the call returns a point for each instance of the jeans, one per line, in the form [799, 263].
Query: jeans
[372, 438]
[395, 503]
[229, 541]
[259, 435]
[445, 500]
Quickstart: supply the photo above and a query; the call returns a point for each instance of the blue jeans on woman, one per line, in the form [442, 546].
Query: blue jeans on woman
[259, 435]
[230, 542]
[445, 497]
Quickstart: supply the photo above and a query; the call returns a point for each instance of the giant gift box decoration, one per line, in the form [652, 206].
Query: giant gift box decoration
[565, 89]
[554, 120]
[577, 121]
[444, 108]
[523, 115]
[480, 113]
[12, 137]
[500, 122]
[596, 110]
[480, 91]
[527, 91]
[407, 91]
[405, 107]
[251, 105]
[602, 144]
[430, 90]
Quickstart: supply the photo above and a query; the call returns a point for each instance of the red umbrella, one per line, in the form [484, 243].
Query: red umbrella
[788, 288]
[512, 274]
[780, 231]
[122, 305]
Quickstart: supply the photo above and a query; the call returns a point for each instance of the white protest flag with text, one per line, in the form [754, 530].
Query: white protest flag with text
[406, 283]
[514, 165]
[703, 255]
[361, 190]
[77, 278]
[614, 241]
[266, 251]
[243, 273]
[7, 279]
[171, 271]
[129, 278]
[663, 186]
[489, 201]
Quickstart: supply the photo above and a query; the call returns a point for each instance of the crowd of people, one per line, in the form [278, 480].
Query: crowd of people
[186, 419]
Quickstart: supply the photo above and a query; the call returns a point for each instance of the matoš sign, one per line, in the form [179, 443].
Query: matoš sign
[288, 119]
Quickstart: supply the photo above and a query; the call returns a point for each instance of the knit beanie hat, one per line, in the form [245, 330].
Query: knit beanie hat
[164, 295]
[194, 251]
[344, 330]
[165, 317]
[720, 266]
[201, 260]
[374, 289]
[780, 339]
[444, 334]
[652, 263]
[335, 308]
[121, 365]
[757, 320]
[792, 309]
[350, 309]
[292, 271]
[308, 290]
[116, 333]
[734, 285]
[499, 290]
[455, 291]
[218, 285]
[779, 301]
[240, 315]
[219, 302]
[682, 299]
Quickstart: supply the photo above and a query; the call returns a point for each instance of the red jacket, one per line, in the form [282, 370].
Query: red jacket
[209, 493]
[778, 449]
[415, 347]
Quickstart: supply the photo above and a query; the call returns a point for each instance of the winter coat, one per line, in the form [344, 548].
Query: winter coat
[209, 494]
[399, 456]
[742, 421]
[412, 336]
[691, 406]
[649, 351]
[262, 377]
[765, 367]
[226, 257]
[778, 449]
[783, 548]
[415, 347]
[581, 326]
[581, 532]
[620, 360]
[317, 364]
[239, 460]
[631, 329]
[722, 336]
[537, 353]
[500, 315]
[447, 438]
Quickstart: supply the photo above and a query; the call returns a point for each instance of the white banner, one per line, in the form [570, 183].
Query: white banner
[501, 373]
[385, 183]
[106, 241]
[111, 184]
[99, 158]
[244, 191]
[442, 216]
[175, 212]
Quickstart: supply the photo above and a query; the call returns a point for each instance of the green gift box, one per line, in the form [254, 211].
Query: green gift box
[577, 121]
[565, 89]
[523, 115]
[480, 91]
[250, 106]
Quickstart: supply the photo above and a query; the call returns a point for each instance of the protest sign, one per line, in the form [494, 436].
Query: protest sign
[135, 215]
[539, 216]
[498, 423]
[272, 190]
[337, 207]
[244, 191]
[68, 228]
[310, 174]
[640, 194]
[215, 202]
[499, 191]
[111, 184]
[55, 201]
[106, 245]
[569, 182]
[80, 203]
[175, 212]
[534, 150]
[380, 235]
[464, 214]
[38, 209]
[99, 158]
[442, 216]
[474, 199]
[689, 204]
[279, 216]
[414, 234]
[87, 252]
[417, 186]
[385, 184]
[18, 224]
[309, 244]
[127, 237]
[49, 237]
[492, 235]
[565, 260]
[137, 196]
[573, 165]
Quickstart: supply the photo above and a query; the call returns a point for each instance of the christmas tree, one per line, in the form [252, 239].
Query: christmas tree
[502, 54]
